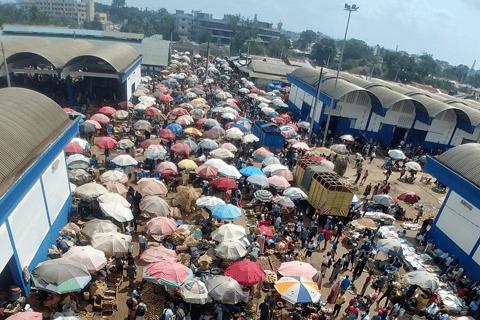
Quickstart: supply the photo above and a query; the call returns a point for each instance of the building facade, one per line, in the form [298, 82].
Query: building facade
[83, 10]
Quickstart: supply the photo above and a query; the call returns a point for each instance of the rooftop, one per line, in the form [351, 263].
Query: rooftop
[464, 160]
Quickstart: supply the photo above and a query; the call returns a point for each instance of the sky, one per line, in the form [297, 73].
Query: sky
[443, 28]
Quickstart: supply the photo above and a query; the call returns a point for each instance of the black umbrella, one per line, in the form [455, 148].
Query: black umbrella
[86, 128]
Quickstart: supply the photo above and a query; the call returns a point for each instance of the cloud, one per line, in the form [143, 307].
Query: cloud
[472, 3]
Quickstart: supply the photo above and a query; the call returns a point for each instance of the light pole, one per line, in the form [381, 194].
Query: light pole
[349, 8]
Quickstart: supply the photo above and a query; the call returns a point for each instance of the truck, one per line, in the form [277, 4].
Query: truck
[325, 190]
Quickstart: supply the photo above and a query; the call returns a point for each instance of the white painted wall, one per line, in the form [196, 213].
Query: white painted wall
[7, 250]
[133, 78]
[293, 94]
[459, 223]
[56, 186]
[29, 224]
[459, 135]
[442, 127]
[401, 114]
[354, 105]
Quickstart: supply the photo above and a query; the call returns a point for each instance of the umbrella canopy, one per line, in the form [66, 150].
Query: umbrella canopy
[111, 197]
[383, 199]
[116, 187]
[208, 144]
[168, 273]
[86, 127]
[261, 153]
[155, 205]
[249, 138]
[270, 160]
[181, 148]
[92, 258]
[232, 249]
[409, 196]
[90, 190]
[167, 168]
[247, 273]
[226, 290]
[396, 154]
[216, 162]
[106, 143]
[298, 290]
[415, 166]
[100, 118]
[295, 194]
[175, 128]
[166, 134]
[113, 175]
[230, 147]
[161, 226]
[339, 148]
[27, 315]
[285, 173]
[364, 223]
[226, 212]
[229, 172]
[125, 143]
[112, 243]
[250, 171]
[78, 161]
[120, 114]
[60, 276]
[263, 195]
[155, 152]
[96, 226]
[193, 131]
[390, 246]
[79, 176]
[147, 143]
[194, 291]
[157, 254]
[264, 229]
[258, 180]
[274, 167]
[423, 279]
[301, 145]
[73, 148]
[207, 171]
[284, 201]
[210, 123]
[347, 137]
[221, 153]
[107, 110]
[228, 231]
[297, 269]
[81, 142]
[187, 164]
[224, 183]
[117, 211]
[278, 182]
[209, 202]
[152, 187]
[124, 160]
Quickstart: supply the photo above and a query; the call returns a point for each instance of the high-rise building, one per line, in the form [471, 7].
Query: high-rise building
[81, 11]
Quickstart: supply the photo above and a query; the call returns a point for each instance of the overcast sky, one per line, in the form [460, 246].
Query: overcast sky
[443, 28]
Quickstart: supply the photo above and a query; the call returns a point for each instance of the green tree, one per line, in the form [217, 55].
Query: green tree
[323, 51]
[95, 24]
[427, 62]
[257, 48]
[306, 39]
[356, 49]
[119, 3]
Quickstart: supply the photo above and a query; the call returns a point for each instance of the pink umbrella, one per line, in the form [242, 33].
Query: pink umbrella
[166, 98]
[157, 254]
[152, 187]
[278, 182]
[177, 112]
[106, 143]
[26, 316]
[207, 171]
[287, 174]
[95, 124]
[107, 110]
[73, 148]
[229, 147]
[68, 110]
[161, 226]
[100, 118]
[301, 145]
[287, 134]
[167, 168]
[168, 273]
[181, 148]
[152, 111]
[92, 258]
[297, 269]
[116, 187]
[261, 152]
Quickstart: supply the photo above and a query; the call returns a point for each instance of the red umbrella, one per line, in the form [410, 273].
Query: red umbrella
[409, 196]
[181, 148]
[293, 126]
[166, 134]
[201, 121]
[73, 148]
[147, 143]
[162, 90]
[317, 158]
[68, 110]
[126, 104]
[207, 171]
[286, 117]
[157, 254]
[224, 184]
[246, 272]
[152, 111]
[200, 87]
[267, 230]
[278, 120]
[100, 118]
[107, 110]
[233, 104]
[166, 98]
[254, 90]
[106, 143]
[97, 125]
[177, 112]
[167, 168]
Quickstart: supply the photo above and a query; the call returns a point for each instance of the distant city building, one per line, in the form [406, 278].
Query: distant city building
[81, 11]
[196, 24]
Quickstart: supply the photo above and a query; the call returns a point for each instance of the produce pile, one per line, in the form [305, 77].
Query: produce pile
[154, 301]
[271, 276]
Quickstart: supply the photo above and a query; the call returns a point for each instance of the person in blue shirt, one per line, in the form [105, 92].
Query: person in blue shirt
[334, 248]
[320, 238]
[345, 284]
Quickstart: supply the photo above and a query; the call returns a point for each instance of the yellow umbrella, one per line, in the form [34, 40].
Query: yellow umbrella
[193, 131]
[187, 164]
[199, 100]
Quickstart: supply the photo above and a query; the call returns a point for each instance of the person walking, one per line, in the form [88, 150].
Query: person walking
[336, 269]
[326, 263]
[318, 278]
[131, 272]
[359, 174]
[142, 242]
[419, 214]
[367, 191]
[365, 176]
[387, 294]
[367, 282]
[310, 249]
[320, 238]
[339, 231]
[304, 236]
[131, 304]
[345, 284]
[328, 236]
[338, 304]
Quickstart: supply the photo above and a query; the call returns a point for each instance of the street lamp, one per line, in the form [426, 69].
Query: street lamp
[350, 9]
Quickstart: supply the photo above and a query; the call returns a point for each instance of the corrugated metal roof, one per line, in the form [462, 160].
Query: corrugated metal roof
[27, 119]
[155, 52]
[472, 113]
[26, 44]
[465, 160]
[260, 66]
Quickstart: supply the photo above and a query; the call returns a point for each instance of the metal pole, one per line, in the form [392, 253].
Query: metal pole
[208, 58]
[6, 67]
[397, 74]
[312, 121]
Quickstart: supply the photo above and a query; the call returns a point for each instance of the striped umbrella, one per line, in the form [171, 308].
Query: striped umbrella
[61, 276]
[263, 195]
[298, 290]
[194, 291]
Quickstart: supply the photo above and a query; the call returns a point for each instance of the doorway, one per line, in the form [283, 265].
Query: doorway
[399, 134]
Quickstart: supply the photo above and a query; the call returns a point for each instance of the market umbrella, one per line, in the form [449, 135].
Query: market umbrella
[125, 143]
[285, 173]
[297, 269]
[166, 98]
[193, 131]
[258, 180]
[167, 168]
[120, 114]
[264, 229]
[194, 291]
[90, 190]
[187, 164]
[155, 205]
[167, 273]
[339, 148]
[111, 197]
[161, 226]
[112, 243]
[298, 290]
[60, 276]
[226, 290]
[113, 175]
[383, 199]
[96, 226]
[100, 118]
[230, 147]
[249, 138]
[79, 176]
[124, 160]
[415, 166]
[229, 171]
[208, 144]
[347, 137]
[86, 128]
[157, 254]
[81, 142]
[107, 110]
[390, 246]
[26, 315]
[274, 167]
[207, 171]
[295, 194]
[117, 211]
[284, 201]
[409, 196]
[301, 145]
[226, 212]
[423, 279]
[155, 152]
[116, 187]
[246, 272]
[147, 143]
[221, 153]
[224, 183]
[181, 148]
[210, 123]
[228, 231]
[278, 182]
[250, 171]
[261, 153]
[106, 143]
[232, 249]
[209, 202]
[396, 154]
[216, 162]
[270, 160]
[92, 258]
[73, 148]
[152, 187]
[166, 134]
[175, 128]
[263, 195]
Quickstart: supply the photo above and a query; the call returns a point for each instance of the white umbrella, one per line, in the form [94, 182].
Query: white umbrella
[396, 154]
[274, 167]
[339, 148]
[228, 231]
[230, 172]
[78, 161]
[125, 143]
[423, 279]
[124, 160]
[222, 154]
[81, 142]
[113, 175]
[284, 201]
[415, 166]
[347, 137]
[90, 190]
[383, 199]
[208, 202]
[258, 180]
[141, 107]
[155, 205]
[229, 116]
[155, 152]
[92, 258]
[250, 138]
[234, 133]
[112, 244]
[270, 160]
[95, 226]
[194, 291]
[117, 211]
[231, 249]
[217, 163]
[295, 194]
[79, 176]
[112, 197]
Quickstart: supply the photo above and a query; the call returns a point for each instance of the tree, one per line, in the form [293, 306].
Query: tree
[356, 49]
[323, 51]
[427, 62]
[278, 47]
[95, 24]
[305, 40]
[119, 3]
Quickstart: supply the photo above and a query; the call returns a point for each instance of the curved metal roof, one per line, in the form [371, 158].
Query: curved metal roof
[118, 55]
[472, 113]
[310, 76]
[26, 44]
[27, 120]
[465, 160]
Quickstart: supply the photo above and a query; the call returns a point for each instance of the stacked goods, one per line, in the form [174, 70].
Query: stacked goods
[271, 276]
[154, 301]
[184, 258]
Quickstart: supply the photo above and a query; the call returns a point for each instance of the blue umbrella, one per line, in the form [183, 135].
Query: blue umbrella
[191, 144]
[279, 87]
[271, 85]
[239, 126]
[244, 119]
[179, 98]
[250, 171]
[272, 114]
[175, 127]
[226, 212]
[271, 94]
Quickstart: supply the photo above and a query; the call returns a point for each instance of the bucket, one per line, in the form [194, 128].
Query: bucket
[14, 293]
[401, 312]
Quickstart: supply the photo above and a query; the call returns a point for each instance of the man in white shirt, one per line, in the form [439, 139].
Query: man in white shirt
[142, 241]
